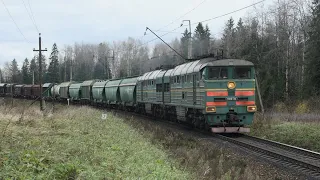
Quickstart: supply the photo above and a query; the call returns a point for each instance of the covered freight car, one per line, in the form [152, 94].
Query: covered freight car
[46, 90]
[75, 92]
[127, 89]
[3, 89]
[18, 90]
[27, 91]
[10, 89]
[98, 92]
[64, 90]
[112, 92]
[35, 91]
[55, 91]
[86, 90]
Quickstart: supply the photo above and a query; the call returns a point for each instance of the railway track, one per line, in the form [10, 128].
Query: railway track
[302, 160]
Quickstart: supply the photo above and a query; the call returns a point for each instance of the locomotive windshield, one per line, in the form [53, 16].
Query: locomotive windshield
[217, 73]
[242, 73]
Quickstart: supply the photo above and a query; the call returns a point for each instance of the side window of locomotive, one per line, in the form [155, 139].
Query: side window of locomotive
[217, 73]
[242, 73]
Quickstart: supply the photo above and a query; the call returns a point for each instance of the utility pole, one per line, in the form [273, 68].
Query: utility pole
[190, 41]
[40, 70]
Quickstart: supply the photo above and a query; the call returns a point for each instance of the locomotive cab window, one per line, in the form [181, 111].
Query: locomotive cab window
[242, 73]
[217, 73]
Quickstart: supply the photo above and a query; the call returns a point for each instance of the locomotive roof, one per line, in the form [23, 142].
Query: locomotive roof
[195, 66]
[149, 75]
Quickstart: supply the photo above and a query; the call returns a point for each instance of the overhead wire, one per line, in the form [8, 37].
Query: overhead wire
[230, 12]
[216, 17]
[33, 21]
[181, 16]
[159, 30]
[32, 12]
[15, 22]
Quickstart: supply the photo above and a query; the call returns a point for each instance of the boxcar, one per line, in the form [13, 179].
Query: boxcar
[18, 90]
[64, 90]
[27, 91]
[3, 89]
[98, 92]
[35, 91]
[127, 90]
[75, 91]
[86, 90]
[112, 91]
[10, 89]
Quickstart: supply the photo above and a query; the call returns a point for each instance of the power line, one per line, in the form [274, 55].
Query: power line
[208, 20]
[230, 12]
[14, 21]
[182, 16]
[32, 15]
[34, 23]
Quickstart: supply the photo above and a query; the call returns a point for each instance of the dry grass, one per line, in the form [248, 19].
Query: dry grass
[304, 134]
[75, 143]
[198, 155]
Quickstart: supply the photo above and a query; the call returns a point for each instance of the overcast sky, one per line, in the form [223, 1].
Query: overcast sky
[94, 21]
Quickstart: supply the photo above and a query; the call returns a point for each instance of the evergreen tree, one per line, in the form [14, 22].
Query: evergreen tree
[25, 71]
[44, 69]
[228, 39]
[313, 53]
[201, 40]
[34, 70]
[15, 73]
[53, 69]
[184, 43]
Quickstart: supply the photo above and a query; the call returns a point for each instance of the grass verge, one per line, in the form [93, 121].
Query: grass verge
[302, 134]
[76, 143]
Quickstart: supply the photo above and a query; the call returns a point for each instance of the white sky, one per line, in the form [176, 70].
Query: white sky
[94, 21]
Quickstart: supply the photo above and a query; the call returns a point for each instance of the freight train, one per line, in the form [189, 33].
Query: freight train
[218, 95]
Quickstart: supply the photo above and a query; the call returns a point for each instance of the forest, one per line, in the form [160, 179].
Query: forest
[282, 40]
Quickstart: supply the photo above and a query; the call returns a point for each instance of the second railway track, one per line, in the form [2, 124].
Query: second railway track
[305, 161]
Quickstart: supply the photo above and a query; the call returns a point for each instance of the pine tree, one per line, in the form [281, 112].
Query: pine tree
[15, 73]
[53, 69]
[201, 40]
[25, 71]
[184, 43]
[34, 70]
[44, 69]
[228, 39]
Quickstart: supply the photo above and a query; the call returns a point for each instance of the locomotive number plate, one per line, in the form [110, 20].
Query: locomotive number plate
[232, 98]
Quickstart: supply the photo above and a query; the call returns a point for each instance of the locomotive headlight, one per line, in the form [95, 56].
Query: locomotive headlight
[231, 85]
[251, 108]
[211, 109]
